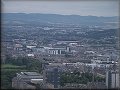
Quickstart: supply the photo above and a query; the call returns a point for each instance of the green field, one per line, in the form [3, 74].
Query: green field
[8, 71]
[10, 66]
[13, 66]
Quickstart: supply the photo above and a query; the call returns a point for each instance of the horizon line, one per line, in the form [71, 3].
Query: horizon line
[54, 14]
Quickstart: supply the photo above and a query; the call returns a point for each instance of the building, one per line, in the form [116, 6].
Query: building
[74, 86]
[51, 50]
[30, 55]
[112, 79]
[27, 80]
[57, 51]
[115, 80]
[96, 85]
[67, 42]
[119, 73]
[52, 77]
[54, 51]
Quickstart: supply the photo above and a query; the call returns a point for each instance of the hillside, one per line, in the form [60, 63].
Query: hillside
[55, 18]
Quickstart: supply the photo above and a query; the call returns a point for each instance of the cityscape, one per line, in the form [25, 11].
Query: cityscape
[55, 51]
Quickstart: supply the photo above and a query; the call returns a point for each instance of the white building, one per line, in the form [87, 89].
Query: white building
[31, 47]
[30, 55]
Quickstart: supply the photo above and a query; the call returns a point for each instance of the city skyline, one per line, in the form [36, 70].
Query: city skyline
[83, 8]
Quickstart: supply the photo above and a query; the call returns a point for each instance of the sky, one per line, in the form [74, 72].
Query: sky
[72, 7]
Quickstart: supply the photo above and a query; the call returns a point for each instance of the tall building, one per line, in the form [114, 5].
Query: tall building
[119, 73]
[52, 77]
[112, 79]
[108, 79]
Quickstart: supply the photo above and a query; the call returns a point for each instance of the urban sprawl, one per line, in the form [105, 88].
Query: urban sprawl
[71, 55]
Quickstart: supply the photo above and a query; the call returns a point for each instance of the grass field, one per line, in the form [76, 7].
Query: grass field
[10, 66]
[8, 71]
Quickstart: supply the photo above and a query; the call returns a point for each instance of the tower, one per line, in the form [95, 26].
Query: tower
[112, 79]
[108, 79]
[68, 49]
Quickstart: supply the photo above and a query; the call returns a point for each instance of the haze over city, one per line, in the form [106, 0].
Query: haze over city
[83, 8]
[60, 44]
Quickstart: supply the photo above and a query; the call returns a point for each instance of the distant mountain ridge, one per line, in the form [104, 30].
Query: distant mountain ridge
[56, 18]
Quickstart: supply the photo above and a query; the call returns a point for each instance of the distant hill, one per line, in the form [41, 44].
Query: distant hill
[101, 34]
[55, 18]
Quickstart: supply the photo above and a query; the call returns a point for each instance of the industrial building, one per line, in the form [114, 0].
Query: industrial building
[27, 80]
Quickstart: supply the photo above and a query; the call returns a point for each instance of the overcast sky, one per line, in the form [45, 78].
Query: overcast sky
[83, 8]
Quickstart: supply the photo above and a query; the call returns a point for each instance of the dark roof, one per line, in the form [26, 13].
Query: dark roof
[31, 73]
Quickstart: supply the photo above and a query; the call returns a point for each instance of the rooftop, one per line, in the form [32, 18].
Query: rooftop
[30, 75]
